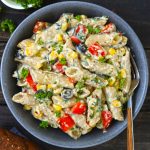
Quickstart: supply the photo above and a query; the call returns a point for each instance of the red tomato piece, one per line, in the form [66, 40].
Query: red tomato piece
[39, 26]
[93, 49]
[103, 53]
[107, 28]
[79, 108]
[75, 40]
[58, 67]
[81, 28]
[106, 118]
[31, 82]
[66, 122]
[72, 80]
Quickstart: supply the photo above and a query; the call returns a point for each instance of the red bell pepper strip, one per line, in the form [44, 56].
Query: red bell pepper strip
[106, 118]
[31, 82]
[93, 49]
[79, 108]
[66, 122]
[39, 26]
[75, 40]
[81, 28]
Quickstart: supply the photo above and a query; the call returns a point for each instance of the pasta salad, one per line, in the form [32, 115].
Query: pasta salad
[74, 74]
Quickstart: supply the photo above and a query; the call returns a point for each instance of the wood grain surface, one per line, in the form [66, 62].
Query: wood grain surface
[137, 14]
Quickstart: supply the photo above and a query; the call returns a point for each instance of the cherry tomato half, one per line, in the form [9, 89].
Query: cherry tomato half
[106, 118]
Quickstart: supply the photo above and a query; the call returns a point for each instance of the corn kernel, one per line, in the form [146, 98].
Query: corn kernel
[27, 107]
[28, 52]
[60, 56]
[57, 107]
[64, 26]
[123, 73]
[49, 86]
[83, 17]
[112, 51]
[59, 37]
[57, 91]
[73, 55]
[116, 103]
[29, 44]
[111, 81]
[53, 55]
[38, 115]
[41, 87]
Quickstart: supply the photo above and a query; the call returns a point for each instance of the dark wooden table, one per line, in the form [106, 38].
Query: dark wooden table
[137, 14]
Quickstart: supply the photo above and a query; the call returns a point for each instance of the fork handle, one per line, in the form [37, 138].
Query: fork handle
[130, 140]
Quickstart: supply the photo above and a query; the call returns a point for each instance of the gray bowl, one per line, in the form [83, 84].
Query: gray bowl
[54, 136]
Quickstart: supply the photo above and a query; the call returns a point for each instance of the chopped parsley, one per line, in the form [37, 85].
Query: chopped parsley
[77, 99]
[58, 114]
[7, 25]
[122, 83]
[93, 30]
[41, 94]
[92, 115]
[88, 56]
[43, 124]
[27, 3]
[24, 73]
[63, 61]
[78, 17]
[102, 59]
[52, 62]
[80, 85]
[60, 49]
[40, 41]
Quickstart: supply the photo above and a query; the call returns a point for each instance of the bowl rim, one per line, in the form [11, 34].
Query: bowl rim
[124, 125]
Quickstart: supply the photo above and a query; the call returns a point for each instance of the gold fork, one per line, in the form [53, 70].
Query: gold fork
[134, 84]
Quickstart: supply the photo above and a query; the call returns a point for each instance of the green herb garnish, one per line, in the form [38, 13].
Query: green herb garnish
[52, 62]
[93, 30]
[63, 61]
[122, 83]
[43, 124]
[102, 59]
[40, 41]
[60, 49]
[78, 17]
[24, 73]
[49, 94]
[27, 3]
[80, 85]
[41, 94]
[7, 25]
[58, 114]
